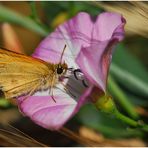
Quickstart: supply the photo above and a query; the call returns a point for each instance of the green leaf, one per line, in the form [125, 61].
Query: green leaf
[107, 125]
[129, 71]
[7, 15]
[52, 9]
[4, 103]
[137, 101]
[119, 95]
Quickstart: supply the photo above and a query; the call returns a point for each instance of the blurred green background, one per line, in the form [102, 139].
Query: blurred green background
[128, 82]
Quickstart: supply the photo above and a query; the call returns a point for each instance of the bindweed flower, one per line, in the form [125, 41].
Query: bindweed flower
[89, 45]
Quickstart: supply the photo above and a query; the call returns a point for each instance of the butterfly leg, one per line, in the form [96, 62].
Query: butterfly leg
[67, 90]
[51, 90]
[52, 95]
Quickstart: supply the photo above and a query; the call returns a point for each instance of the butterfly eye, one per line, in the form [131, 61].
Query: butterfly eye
[59, 70]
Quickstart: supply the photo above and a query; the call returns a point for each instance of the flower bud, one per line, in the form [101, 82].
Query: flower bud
[106, 104]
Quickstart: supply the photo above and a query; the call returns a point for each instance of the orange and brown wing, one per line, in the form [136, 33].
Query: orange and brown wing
[19, 74]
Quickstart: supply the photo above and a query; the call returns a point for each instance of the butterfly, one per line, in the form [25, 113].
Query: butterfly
[24, 75]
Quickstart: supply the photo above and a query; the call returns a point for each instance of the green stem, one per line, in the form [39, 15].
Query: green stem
[122, 98]
[107, 105]
[35, 16]
[130, 121]
[34, 12]
[125, 119]
[7, 15]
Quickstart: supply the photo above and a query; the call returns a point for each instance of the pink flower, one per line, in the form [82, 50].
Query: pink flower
[90, 43]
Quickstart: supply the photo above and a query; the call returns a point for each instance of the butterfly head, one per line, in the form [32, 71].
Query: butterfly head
[61, 68]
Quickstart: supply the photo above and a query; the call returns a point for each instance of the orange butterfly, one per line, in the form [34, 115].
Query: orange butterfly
[24, 75]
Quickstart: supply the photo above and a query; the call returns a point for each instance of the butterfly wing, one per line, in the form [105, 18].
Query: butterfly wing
[20, 74]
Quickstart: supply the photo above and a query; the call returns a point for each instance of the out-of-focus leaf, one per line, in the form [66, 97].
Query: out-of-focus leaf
[53, 9]
[87, 7]
[59, 19]
[137, 100]
[107, 125]
[7, 15]
[119, 95]
[129, 71]
[4, 102]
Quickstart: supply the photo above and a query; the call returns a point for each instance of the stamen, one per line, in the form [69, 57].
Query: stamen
[66, 90]
[80, 76]
[84, 83]
[75, 73]
[53, 98]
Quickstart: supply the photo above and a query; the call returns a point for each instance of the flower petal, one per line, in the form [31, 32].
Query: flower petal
[72, 33]
[94, 60]
[89, 46]
[80, 38]
[44, 111]
[47, 113]
[108, 25]
[89, 60]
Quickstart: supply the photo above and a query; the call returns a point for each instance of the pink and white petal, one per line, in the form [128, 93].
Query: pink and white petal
[79, 30]
[42, 109]
[89, 61]
[47, 113]
[108, 24]
[73, 33]
[91, 46]
[94, 61]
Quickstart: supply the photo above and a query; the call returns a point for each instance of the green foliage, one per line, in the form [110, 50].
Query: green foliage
[129, 71]
[70, 7]
[121, 97]
[7, 15]
[104, 123]
[4, 103]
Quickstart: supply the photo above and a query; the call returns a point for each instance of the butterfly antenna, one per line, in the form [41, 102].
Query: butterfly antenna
[62, 54]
